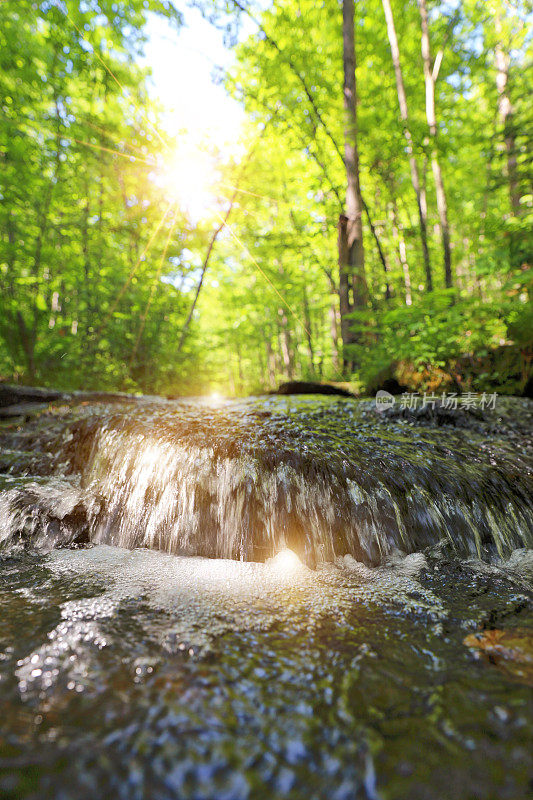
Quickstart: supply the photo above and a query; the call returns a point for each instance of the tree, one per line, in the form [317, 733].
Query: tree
[413, 165]
[442, 204]
[96, 285]
[352, 279]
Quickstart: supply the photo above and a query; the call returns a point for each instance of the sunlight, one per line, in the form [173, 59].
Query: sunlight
[214, 398]
[189, 174]
[286, 561]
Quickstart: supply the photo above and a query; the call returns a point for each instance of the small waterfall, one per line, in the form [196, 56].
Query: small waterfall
[46, 514]
[186, 499]
[245, 481]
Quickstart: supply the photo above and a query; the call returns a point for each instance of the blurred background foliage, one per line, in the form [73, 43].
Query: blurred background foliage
[101, 275]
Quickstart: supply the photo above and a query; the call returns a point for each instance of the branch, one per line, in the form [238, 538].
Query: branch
[440, 55]
[336, 191]
[296, 72]
[214, 237]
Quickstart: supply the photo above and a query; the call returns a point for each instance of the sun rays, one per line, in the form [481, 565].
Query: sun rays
[153, 288]
[188, 174]
[190, 180]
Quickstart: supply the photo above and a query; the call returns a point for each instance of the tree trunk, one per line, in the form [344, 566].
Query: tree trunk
[413, 165]
[223, 224]
[442, 205]
[344, 294]
[308, 330]
[505, 112]
[286, 345]
[334, 332]
[260, 363]
[28, 331]
[388, 293]
[398, 236]
[240, 371]
[27, 341]
[8, 330]
[86, 289]
[214, 236]
[271, 363]
[351, 250]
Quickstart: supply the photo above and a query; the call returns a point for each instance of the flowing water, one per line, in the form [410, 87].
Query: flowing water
[157, 638]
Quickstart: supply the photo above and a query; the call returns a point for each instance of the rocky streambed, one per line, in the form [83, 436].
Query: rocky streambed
[268, 598]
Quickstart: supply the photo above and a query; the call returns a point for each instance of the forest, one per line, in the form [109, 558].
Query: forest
[239, 241]
[373, 223]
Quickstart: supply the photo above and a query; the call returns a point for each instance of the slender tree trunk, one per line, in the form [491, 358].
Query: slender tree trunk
[413, 165]
[424, 188]
[260, 363]
[7, 326]
[239, 366]
[231, 376]
[442, 205]
[214, 237]
[398, 236]
[271, 363]
[505, 112]
[28, 331]
[388, 293]
[185, 329]
[280, 368]
[351, 249]
[344, 294]
[334, 332]
[286, 345]
[27, 341]
[86, 289]
[308, 330]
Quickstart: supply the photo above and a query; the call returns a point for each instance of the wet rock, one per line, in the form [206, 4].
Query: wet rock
[244, 479]
[438, 416]
[107, 397]
[14, 397]
[511, 416]
[25, 410]
[46, 515]
[11, 395]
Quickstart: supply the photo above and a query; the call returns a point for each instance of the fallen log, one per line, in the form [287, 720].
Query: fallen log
[310, 387]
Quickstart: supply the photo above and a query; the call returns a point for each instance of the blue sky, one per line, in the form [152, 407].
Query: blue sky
[182, 64]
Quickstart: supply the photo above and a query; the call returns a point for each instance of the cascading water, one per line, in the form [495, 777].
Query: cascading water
[326, 477]
[136, 673]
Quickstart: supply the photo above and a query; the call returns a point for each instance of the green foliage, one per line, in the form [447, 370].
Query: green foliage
[80, 304]
[79, 204]
[289, 78]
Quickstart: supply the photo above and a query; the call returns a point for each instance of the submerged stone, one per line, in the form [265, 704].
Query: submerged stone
[510, 650]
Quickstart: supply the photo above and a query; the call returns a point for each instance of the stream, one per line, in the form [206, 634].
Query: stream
[276, 597]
